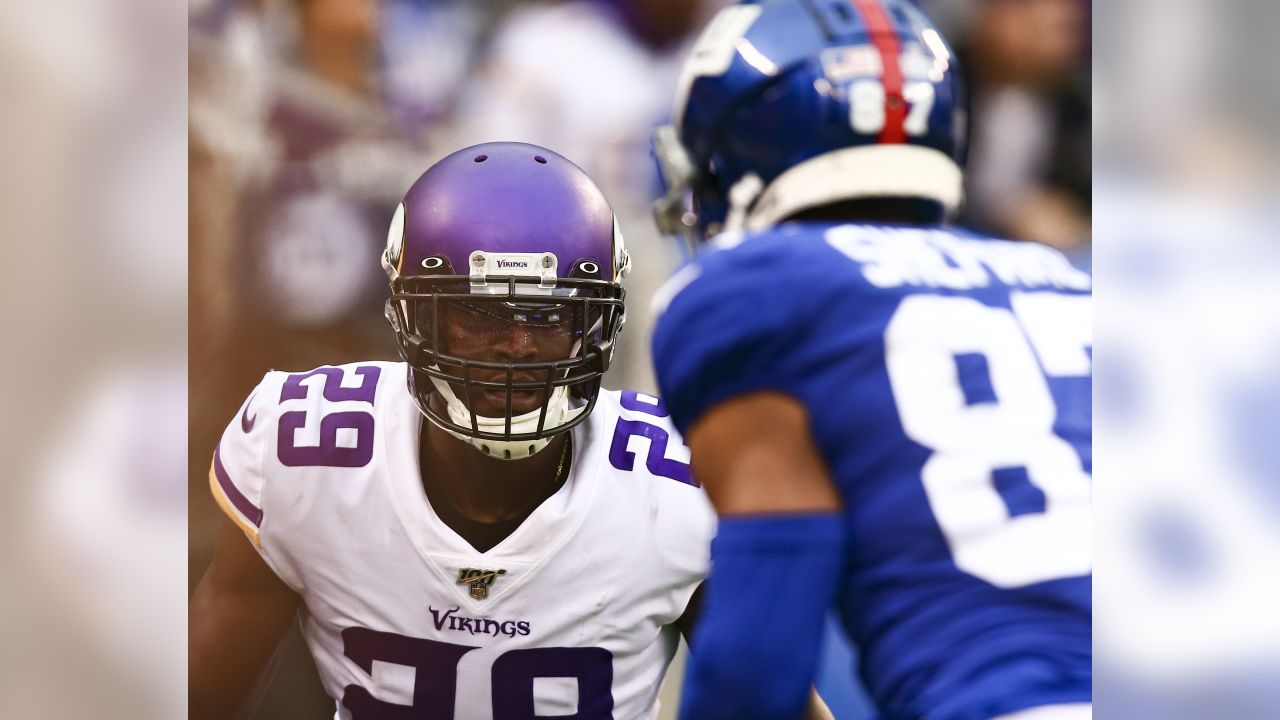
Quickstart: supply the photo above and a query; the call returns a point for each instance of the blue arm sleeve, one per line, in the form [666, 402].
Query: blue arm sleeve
[755, 647]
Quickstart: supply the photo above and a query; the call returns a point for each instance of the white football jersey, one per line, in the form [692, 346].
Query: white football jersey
[571, 615]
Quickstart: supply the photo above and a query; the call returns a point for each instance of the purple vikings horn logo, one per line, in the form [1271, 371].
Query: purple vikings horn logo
[479, 580]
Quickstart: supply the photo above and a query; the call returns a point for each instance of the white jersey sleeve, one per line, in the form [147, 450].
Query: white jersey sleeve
[238, 475]
[650, 452]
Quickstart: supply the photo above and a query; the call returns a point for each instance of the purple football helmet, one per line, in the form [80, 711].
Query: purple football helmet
[506, 264]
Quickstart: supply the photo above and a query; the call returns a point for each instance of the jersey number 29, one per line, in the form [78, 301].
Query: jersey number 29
[514, 678]
[971, 441]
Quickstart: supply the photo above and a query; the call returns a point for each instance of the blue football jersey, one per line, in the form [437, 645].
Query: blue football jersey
[947, 377]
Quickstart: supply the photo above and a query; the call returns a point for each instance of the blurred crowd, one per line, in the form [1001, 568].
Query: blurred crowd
[310, 118]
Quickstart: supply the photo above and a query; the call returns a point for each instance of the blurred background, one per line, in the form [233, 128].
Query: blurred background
[316, 115]
[139, 310]
[310, 118]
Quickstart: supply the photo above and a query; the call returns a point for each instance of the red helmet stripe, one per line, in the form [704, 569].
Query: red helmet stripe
[880, 27]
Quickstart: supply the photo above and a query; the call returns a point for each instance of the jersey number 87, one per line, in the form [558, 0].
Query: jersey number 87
[971, 441]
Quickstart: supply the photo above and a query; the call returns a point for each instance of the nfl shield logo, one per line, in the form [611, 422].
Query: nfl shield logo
[479, 580]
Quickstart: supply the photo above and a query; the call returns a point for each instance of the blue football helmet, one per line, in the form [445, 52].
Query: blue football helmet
[786, 105]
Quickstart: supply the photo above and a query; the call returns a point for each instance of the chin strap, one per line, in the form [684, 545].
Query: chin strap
[742, 196]
[559, 412]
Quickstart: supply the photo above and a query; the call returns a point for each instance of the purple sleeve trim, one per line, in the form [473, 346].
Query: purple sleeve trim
[251, 512]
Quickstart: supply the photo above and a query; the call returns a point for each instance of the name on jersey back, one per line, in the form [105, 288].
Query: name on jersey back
[923, 257]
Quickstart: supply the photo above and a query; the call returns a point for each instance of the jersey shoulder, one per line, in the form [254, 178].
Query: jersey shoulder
[642, 439]
[734, 261]
[263, 438]
[647, 475]
[760, 311]
[237, 473]
[728, 322]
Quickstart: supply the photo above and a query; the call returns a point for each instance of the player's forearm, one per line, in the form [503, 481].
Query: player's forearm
[756, 645]
[220, 676]
[230, 644]
[217, 686]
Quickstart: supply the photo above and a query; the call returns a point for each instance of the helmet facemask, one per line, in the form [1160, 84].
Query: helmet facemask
[674, 212]
[506, 267]
[504, 361]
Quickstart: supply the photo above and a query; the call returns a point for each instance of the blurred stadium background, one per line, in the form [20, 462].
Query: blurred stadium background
[94, 425]
[308, 119]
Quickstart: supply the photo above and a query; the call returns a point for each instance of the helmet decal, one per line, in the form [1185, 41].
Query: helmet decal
[393, 256]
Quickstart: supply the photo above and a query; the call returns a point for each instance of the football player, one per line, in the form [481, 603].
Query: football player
[479, 531]
[892, 417]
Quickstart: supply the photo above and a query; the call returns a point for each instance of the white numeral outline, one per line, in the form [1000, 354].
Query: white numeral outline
[867, 106]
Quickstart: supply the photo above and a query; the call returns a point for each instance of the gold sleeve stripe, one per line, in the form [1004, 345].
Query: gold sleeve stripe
[225, 503]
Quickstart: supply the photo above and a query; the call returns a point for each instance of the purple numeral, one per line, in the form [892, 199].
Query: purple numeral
[435, 665]
[631, 400]
[328, 453]
[435, 678]
[514, 673]
[293, 388]
[656, 461]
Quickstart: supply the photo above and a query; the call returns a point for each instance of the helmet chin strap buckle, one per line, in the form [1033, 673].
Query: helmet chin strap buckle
[741, 197]
[603, 351]
[504, 449]
[677, 172]
[558, 413]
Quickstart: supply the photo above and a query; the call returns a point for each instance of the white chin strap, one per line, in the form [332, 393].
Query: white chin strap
[856, 172]
[558, 413]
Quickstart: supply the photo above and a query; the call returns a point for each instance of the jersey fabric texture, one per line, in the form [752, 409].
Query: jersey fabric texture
[947, 379]
[570, 615]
